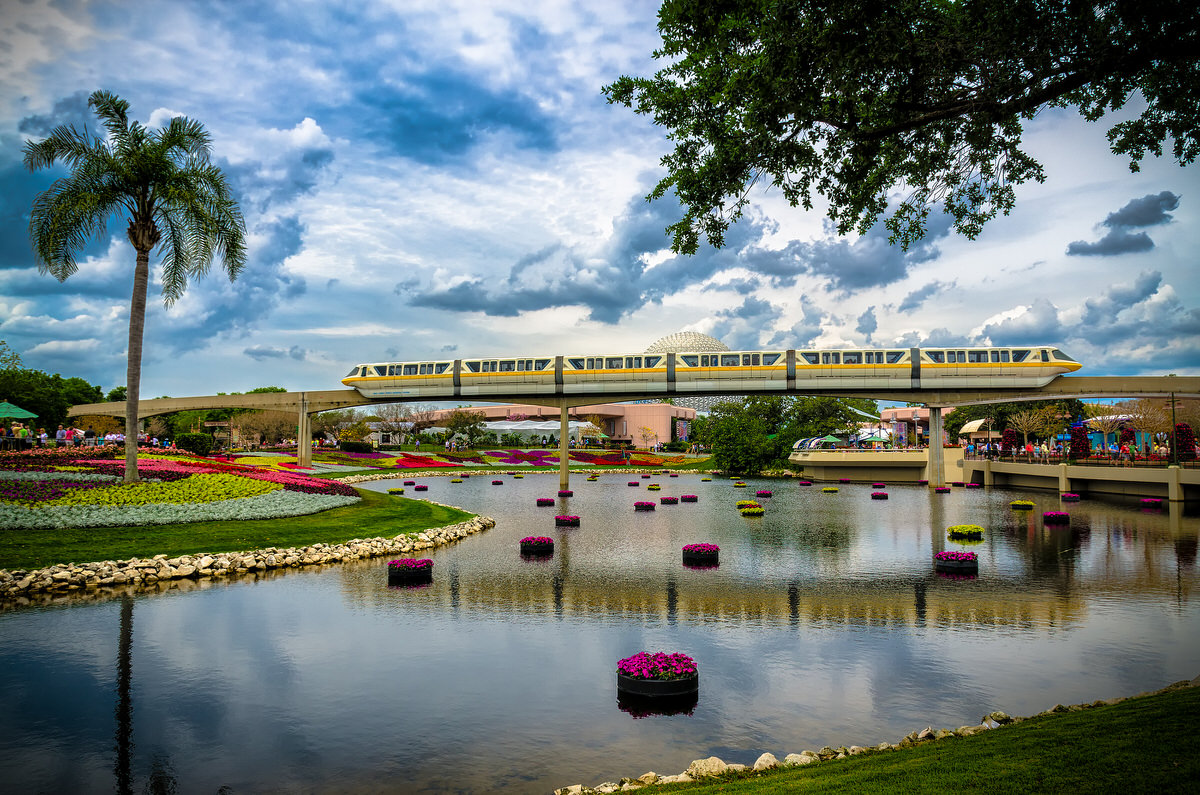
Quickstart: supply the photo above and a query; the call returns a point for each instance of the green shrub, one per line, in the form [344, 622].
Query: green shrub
[198, 443]
[676, 447]
[354, 447]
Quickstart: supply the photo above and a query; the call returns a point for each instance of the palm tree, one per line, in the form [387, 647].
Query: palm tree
[176, 202]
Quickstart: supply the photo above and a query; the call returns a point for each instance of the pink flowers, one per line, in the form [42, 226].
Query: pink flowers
[702, 549]
[642, 505]
[1056, 517]
[410, 564]
[957, 557]
[537, 540]
[660, 665]
[544, 501]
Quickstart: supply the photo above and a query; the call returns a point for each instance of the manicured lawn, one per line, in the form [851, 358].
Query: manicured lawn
[1143, 744]
[376, 515]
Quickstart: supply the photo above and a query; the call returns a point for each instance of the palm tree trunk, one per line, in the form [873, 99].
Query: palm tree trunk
[133, 367]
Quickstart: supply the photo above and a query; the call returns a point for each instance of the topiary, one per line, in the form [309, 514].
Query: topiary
[198, 443]
[1008, 440]
[1185, 441]
[1081, 444]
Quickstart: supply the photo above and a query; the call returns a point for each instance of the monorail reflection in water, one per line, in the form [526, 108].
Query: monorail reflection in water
[823, 625]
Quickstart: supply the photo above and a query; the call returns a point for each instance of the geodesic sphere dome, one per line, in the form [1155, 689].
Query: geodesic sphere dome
[687, 341]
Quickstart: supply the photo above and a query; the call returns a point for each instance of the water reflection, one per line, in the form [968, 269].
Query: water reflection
[824, 625]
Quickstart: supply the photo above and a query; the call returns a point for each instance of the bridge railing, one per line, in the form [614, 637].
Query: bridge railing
[1099, 460]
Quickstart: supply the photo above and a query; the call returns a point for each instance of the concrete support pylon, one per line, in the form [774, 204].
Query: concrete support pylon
[937, 457]
[303, 434]
[564, 450]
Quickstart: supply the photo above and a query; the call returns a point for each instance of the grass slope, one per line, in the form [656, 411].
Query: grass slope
[376, 515]
[1143, 744]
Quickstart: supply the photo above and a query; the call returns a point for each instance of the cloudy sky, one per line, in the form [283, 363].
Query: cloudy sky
[434, 179]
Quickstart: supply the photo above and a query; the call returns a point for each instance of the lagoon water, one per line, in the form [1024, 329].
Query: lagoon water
[824, 625]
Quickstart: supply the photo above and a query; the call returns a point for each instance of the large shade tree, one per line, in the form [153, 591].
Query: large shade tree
[856, 101]
[174, 200]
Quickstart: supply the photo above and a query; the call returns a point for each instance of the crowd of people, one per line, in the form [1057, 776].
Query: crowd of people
[19, 436]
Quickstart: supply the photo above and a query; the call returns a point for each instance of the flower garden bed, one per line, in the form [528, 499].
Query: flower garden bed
[537, 546]
[956, 562]
[658, 675]
[409, 571]
[701, 554]
[968, 531]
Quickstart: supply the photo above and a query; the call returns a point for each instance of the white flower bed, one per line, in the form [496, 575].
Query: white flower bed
[272, 505]
[76, 477]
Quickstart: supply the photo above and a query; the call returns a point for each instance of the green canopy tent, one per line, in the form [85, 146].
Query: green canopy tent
[873, 439]
[9, 411]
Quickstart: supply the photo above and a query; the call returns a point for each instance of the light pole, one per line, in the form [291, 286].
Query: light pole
[1174, 447]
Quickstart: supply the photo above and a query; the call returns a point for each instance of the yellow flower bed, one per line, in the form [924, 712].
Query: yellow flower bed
[204, 487]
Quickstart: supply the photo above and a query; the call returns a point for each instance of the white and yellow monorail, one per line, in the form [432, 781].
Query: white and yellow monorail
[729, 372]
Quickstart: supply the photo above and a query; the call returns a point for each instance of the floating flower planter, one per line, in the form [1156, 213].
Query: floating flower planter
[752, 511]
[879, 485]
[1021, 505]
[1056, 517]
[641, 707]
[1068, 496]
[701, 554]
[395, 491]
[659, 675]
[467, 476]
[958, 483]
[843, 480]
[956, 562]
[420, 488]
[409, 482]
[673, 475]
[762, 493]
[1152, 503]
[566, 521]
[565, 493]
[968, 531]
[592, 478]
[409, 571]
[456, 480]
[633, 483]
[941, 489]
[879, 495]
[830, 489]
[497, 482]
[645, 477]
[653, 487]
[747, 504]
[643, 506]
[668, 500]
[518, 476]
[545, 501]
[705, 480]
[689, 498]
[537, 546]
[974, 485]
[804, 483]
[739, 485]
[922, 482]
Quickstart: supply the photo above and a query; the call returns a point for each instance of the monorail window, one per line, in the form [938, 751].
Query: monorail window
[576, 363]
[1045, 356]
[770, 358]
[612, 363]
[894, 356]
[353, 372]
[632, 362]
[831, 358]
[1020, 356]
[508, 366]
[410, 369]
[1004, 356]
[691, 361]
[995, 357]
[730, 360]
[652, 361]
[936, 356]
[851, 358]
[541, 364]
[521, 365]
[811, 358]
[442, 367]
[1061, 356]
[591, 363]
[472, 366]
[707, 361]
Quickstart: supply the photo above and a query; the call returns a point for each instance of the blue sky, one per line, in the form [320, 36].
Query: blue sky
[436, 179]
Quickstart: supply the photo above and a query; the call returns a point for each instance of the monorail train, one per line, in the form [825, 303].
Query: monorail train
[706, 372]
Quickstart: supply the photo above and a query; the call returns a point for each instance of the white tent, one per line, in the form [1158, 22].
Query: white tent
[547, 428]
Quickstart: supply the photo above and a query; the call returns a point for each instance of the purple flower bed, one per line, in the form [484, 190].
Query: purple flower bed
[660, 665]
[643, 506]
[544, 501]
[43, 490]
[689, 498]
[410, 564]
[531, 457]
[960, 557]
[1056, 517]
[879, 495]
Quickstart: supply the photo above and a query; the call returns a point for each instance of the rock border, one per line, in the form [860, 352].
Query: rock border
[23, 586]
[713, 766]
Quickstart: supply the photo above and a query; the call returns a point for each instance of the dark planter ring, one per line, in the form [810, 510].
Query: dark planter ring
[956, 566]
[701, 558]
[658, 688]
[410, 577]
